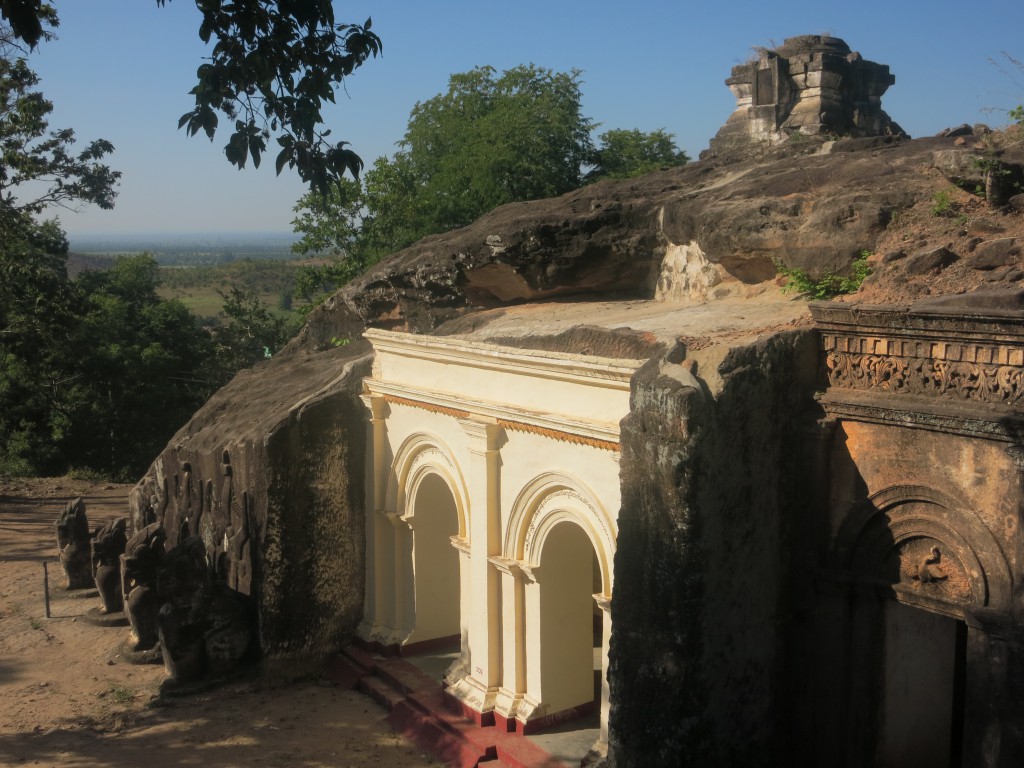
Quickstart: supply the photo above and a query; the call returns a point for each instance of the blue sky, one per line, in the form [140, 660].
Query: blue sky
[122, 69]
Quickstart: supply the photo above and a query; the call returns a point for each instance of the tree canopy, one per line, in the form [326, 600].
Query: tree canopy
[95, 373]
[492, 139]
[272, 66]
[624, 154]
[489, 139]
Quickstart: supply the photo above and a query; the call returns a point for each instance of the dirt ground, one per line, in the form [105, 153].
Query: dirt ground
[67, 698]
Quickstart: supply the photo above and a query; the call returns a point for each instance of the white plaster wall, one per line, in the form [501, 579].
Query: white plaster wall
[573, 387]
[528, 446]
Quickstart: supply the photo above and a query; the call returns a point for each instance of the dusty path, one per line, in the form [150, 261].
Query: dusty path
[68, 699]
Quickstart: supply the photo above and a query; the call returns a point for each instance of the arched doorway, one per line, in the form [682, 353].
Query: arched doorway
[435, 563]
[569, 637]
[918, 570]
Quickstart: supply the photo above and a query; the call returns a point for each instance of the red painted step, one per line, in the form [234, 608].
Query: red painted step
[418, 710]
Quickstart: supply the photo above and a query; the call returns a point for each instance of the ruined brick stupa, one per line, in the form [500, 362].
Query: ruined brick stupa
[811, 84]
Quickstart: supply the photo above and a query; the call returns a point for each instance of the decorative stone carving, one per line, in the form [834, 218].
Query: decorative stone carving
[237, 555]
[139, 567]
[205, 627]
[107, 547]
[1003, 384]
[182, 578]
[73, 545]
[958, 356]
[930, 569]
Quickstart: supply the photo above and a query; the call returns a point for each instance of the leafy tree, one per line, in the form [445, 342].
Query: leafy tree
[38, 305]
[251, 332]
[272, 66]
[329, 224]
[141, 368]
[624, 154]
[37, 317]
[490, 139]
[96, 372]
[37, 166]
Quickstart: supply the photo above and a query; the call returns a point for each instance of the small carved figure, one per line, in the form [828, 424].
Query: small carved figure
[139, 568]
[73, 545]
[205, 627]
[237, 557]
[107, 547]
[228, 639]
[929, 569]
[184, 588]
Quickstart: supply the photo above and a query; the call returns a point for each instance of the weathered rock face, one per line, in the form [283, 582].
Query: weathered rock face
[809, 85]
[712, 489]
[269, 477]
[686, 234]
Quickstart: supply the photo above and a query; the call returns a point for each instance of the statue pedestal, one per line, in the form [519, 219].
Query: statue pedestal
[126, 651]
[118, 619]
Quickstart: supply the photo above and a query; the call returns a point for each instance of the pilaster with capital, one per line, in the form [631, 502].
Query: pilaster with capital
[483, 476]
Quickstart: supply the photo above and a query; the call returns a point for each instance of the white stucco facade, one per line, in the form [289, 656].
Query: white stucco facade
[492, 503]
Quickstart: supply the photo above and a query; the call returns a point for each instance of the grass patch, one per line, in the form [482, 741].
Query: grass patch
[117, 694]
[829, 285]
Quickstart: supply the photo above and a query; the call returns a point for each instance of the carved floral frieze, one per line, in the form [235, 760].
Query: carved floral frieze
[982, 373]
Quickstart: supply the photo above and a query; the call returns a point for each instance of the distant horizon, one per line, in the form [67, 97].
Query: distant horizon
[666, 70]
[86, 241]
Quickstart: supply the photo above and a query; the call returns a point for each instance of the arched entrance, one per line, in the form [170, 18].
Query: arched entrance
[564, 541]
[435, 563]
[566, 674]
[922, 574]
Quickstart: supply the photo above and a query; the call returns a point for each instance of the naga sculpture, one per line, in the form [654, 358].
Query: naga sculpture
[205, 627]
[73, 545]
[139, 567]
[107, 547]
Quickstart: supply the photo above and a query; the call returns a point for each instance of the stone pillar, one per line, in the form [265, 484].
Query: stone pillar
[993, 712]
[1016, 454]
[533, 694]
[482, 473]
[513, 642]
[864, 673]
[605, 604]
[379, 621]
[465, 604]
[405, 593]
[829, 673]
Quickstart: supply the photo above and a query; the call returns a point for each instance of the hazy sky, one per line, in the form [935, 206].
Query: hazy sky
[122, 69]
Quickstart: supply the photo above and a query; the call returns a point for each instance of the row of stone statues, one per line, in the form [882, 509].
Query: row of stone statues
[183, 603]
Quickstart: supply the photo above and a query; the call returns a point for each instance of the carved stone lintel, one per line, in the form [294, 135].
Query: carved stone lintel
[999, 384]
